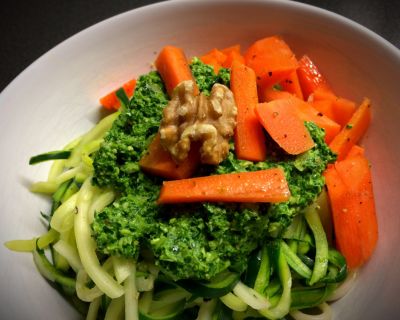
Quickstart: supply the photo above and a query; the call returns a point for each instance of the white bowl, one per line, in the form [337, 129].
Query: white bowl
[56, 99]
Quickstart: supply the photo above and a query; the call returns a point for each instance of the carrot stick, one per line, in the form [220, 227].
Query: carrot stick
[173, 67]
[249, 136]
[325, 107]
[271, 59]
[157, 161]
[284, 125]
[111, 102]
[353, 131]
[232, 56]
[291, 84]
[341, 108]
[309, 77]
[346, 231]
[258, 186]
[232, 53]
[214, 58]
[270, 94]
[355, 151]
[234, 48]
[351, 193]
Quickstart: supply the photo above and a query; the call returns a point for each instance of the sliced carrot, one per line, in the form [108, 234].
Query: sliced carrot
[355, 151]
[308, 113]
[271, 59]
[215, 58]
[346, 231]
[234, 48]
[351, 193]
[258, 186]
[157, 161]
[270, 94]
[309, 77]
[341, 109]
[110, 101]
[356, 175]
[232, 56]
[353, 131]
[344, 110]
[284, 125]
[173, 67]
[249, 136]
[325, 107]
[291, 84]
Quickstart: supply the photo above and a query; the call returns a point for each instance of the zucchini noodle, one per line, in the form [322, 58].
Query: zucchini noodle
[233, 302]
[206, 310]
[145, 301]
[115, 310]
[83, 292]
[45, 187]
[99, 203]
[131, 296]
[344, 287]
[250, 296]
[87, 246]
[69, 253]
[93, 309]
[326, 313]
[63, 217]
[30, 245]
[95, 133]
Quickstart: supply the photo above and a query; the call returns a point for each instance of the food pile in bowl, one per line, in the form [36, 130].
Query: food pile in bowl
[230, 185]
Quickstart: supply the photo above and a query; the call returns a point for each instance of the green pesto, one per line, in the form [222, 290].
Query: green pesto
[205, 76]
[121, 227]
[116, 163]
[189, 241]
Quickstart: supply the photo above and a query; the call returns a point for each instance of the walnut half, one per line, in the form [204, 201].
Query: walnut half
[208, 120]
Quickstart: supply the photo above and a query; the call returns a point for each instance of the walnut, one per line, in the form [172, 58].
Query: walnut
[209, 121]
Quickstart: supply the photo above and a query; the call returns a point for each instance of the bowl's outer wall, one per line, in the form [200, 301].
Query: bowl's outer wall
[56, 99]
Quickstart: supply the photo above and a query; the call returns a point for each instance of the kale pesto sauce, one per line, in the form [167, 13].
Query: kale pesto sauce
[190, 241]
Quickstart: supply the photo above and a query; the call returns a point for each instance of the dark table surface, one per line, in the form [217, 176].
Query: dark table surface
[29, 29]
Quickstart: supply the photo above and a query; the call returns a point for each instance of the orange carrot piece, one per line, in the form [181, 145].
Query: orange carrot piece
[173, 67]
[342, 109]
[258, 186]
[356, 175]
[355, 151]
[232, 56]
[158, 161]
[309, 77]
[271, 59]
[234, 48]
[111, 102]
[353, 131]
[284, 125]
[351, 193]
[308, 113]
[270, 94]
[291, 84]
[346, 232]
[215, 58]
[325, 107]
[249, 136]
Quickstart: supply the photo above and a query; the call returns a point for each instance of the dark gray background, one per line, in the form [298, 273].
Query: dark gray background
[28, 29]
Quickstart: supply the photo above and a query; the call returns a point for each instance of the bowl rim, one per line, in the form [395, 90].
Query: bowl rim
[288, 4]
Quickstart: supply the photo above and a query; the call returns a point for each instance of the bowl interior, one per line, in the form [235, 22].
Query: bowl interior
[56, 99]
